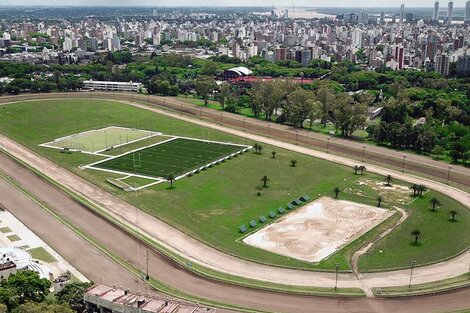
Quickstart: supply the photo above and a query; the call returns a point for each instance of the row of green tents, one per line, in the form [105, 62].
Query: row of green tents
[274, 213]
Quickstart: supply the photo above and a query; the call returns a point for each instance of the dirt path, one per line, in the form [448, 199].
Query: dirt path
[355, 257]
[206, 256]
[95, 266]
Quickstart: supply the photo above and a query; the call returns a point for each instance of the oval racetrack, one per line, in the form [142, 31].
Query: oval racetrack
[169, 273]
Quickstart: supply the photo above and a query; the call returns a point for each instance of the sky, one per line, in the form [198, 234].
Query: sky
[309, 3]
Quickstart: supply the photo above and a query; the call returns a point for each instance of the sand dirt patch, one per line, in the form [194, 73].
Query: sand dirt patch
[319, 229]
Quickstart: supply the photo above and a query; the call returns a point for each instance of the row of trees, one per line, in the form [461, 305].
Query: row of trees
[297, 106]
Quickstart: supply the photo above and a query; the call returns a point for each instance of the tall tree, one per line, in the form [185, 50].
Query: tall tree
[22, 287]
[205, 85]
[266, 97]
[72, 294]
[416, 233]
[434, 203]
[265, 180]
[326, 99]
[225, 92]
[453, 213]
[32, 307]
[301, 104]
[336, 190]
[348, 115]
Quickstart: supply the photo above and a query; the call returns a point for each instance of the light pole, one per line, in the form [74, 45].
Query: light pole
[448, 174]
[147, 277]
[243, 124]
[328, 144]
[404, 160]
[269, 126]
[412, 264]
[363, 153]
[106, 139]
[221, 118]
[336, 275]
[200, 115]
[296, 137]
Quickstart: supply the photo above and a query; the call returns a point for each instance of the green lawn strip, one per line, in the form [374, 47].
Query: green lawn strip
[460, 281]
[5, 230]
[350, 292]
[210, 209]
[41, 254]
[14, 238]
[396, 250]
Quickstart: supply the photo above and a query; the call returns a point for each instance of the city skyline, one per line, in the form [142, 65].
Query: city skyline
[232, 3]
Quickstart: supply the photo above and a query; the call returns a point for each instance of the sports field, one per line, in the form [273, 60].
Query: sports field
[176, 156]
[97, 140]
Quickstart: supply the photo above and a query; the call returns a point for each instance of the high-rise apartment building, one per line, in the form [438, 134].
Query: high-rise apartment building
[435, 14]
[450, 9]
[402, 13]
[463, 63]
[442, 64]
[467, 12]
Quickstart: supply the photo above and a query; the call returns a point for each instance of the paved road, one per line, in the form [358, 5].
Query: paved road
[100, 268]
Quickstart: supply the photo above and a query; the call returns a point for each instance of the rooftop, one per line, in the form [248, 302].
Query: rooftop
[145, 303]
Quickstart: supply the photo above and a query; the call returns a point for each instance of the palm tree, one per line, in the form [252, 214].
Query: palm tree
[362, 169]
[453, 213]
[421, 189]
[259, 188]
[293, 163]
[388, 180]
[171, 179]
[379, 200]
[356, 169]
[416, 233]
[434, 203]
[255, 146]
[265, 180]
[336, 190]
[414, 187]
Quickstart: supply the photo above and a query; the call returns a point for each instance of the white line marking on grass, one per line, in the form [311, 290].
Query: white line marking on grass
[50, 144]
[122, 173]
[129, 142]
[158, 178]
[129, 152]
[159, 181]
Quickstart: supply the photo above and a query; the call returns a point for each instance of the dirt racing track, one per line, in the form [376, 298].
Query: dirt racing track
[162, 269]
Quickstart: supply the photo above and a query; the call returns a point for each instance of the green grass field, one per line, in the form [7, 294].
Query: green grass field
[212, 204]
[176, 157]
[41, 254]
[100, 139]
